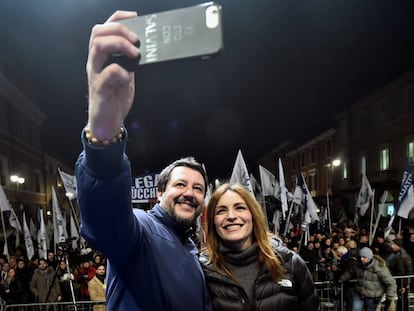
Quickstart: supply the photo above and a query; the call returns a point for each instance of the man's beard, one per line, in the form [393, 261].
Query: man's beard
[184, 222]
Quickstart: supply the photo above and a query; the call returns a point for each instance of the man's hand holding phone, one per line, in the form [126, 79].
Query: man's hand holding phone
[111, 87]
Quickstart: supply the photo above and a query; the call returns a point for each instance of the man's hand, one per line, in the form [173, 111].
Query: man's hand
[111, 88]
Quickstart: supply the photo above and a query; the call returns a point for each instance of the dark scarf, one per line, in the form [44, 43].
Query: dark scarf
[101, 278]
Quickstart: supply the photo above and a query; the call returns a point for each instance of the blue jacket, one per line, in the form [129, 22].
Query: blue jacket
[152, 265]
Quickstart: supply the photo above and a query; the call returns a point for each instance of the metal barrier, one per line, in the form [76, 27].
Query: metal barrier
[57, 306]
[331, 294]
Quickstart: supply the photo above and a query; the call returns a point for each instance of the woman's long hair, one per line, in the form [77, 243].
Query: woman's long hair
[266, 256]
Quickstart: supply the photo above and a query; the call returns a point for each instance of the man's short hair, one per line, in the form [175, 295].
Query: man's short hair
[189, 162]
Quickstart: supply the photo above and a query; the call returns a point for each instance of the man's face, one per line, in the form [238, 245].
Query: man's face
[100, 270]
[184, 195]
[42, 264]
[365, 260]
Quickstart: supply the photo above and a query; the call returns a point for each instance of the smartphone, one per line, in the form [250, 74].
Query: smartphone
[194, 31]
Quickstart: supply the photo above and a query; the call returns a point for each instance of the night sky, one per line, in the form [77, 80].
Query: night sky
[286, 68]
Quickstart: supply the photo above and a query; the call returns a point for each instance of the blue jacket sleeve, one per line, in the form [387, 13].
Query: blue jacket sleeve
[103, 177]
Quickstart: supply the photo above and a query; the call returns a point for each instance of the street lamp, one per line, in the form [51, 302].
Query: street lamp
[329, 187]
[18, 180]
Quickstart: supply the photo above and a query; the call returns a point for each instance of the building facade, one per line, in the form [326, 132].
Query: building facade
[375, 135]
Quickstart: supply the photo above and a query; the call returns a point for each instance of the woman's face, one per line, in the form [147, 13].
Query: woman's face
[233, 221]
[11, 273]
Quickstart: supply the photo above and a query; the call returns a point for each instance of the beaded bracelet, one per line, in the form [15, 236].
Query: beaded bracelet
[105, 142]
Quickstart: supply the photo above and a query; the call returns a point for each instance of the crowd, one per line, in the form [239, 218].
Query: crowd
[44, 280]
[368, 273]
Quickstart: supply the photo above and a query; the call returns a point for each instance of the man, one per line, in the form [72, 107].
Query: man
[373, 280]
[406, 268]
[97, 287]
[152, 264]
[44, 286]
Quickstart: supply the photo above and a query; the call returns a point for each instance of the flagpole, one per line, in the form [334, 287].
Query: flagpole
[372, 216]
[329, 213]
[379, 216]
[288, 218]
[4, 234]
[399, 227]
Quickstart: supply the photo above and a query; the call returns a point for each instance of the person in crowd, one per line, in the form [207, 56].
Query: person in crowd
[310, 256]
[11, 291]
[347, 262]
[380, 246]
[4, 270]
[12, 261]
[97, 287]
[44, 283]
[151, 263]
[363, 240]
[65, 278]
[83, 275]
[245, 269]
[24, 274]
[373, 280]
[52, 260]
[405, 267]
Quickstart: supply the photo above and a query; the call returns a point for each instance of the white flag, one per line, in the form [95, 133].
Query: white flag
[58, 224]
[270, 186]
[74, 232]
[283, 190]
[41, 237]
[304, 198]
[406, 197]
[69, 182]
[364, 196]
[28, 242]
[240, 174]
[10, 214]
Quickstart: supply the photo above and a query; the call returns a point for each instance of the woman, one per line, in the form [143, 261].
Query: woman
[11, 290]
[246, 269]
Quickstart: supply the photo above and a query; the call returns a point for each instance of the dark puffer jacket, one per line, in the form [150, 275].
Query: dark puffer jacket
[295, 291]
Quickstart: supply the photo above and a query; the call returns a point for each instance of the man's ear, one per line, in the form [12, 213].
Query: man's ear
[159, 195]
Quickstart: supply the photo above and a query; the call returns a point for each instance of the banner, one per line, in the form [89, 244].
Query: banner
[144, 188]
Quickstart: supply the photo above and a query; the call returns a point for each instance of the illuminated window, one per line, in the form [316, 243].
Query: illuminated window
[344, 171]
[384, 159]
[410, 151]
[363, 165]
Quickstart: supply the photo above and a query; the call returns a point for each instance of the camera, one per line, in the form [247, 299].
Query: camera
[63, 248]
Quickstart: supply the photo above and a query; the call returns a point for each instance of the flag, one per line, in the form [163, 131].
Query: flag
[283, 190]
[28, 242]
[41, 237]
[69, 182]
[58, 224]
[255, 184]
[10, 214]
[364, 196]
[32, 229]
[74, 232]
[303, 197]
[406, 197]
[270, 186]
[240, 174]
